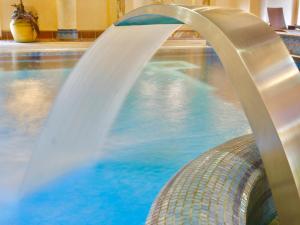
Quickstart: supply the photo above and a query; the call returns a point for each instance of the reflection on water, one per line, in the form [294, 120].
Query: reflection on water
[28, 102]
[13, 61]
[25, 99]
[176, 96]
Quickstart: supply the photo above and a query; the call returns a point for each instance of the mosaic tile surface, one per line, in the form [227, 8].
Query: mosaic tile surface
[226, 185]
[292, 43]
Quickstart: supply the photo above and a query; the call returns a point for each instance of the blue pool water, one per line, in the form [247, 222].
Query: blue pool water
[169, 118]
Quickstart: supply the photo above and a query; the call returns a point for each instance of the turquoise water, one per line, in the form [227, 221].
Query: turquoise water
[168, 119]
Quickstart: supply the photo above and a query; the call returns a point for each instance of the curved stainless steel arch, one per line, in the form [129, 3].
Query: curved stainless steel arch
[266, 80]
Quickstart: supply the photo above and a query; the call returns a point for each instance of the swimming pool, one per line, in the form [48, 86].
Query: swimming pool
[181, 106]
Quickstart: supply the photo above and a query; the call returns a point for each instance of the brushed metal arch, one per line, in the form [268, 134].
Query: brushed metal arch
[266, 80]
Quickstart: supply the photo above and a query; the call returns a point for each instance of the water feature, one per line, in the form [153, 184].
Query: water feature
[90, 100]
[63, 146]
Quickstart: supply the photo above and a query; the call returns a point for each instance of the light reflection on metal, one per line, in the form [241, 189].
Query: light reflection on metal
[266, 80]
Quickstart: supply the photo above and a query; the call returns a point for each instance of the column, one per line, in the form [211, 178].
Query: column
[206, 2]
[1, 8]
[115, 10]
[128, 5]
[120, 8]
[67, 21]
[295, 9]
[259, 8]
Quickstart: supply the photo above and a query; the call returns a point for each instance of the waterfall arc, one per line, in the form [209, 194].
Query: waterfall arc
[266, 80]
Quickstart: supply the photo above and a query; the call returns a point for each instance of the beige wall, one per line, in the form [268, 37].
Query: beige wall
[95, 14]
[1, 28]
[45, 8]
[242, 4]
[91, 14]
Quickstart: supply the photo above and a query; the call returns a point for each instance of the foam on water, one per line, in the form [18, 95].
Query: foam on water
[90, 100]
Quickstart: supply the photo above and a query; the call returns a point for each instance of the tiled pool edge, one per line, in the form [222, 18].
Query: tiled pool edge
[226, 185]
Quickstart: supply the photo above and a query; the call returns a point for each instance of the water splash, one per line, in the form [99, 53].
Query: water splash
[90, 100]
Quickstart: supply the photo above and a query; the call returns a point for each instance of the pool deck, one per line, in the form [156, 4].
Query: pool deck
[13, 47]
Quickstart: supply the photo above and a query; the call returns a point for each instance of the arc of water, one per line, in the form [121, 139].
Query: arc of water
[266, 80]
[90, 100]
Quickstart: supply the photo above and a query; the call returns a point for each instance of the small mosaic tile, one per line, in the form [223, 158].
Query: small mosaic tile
[226, 185]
